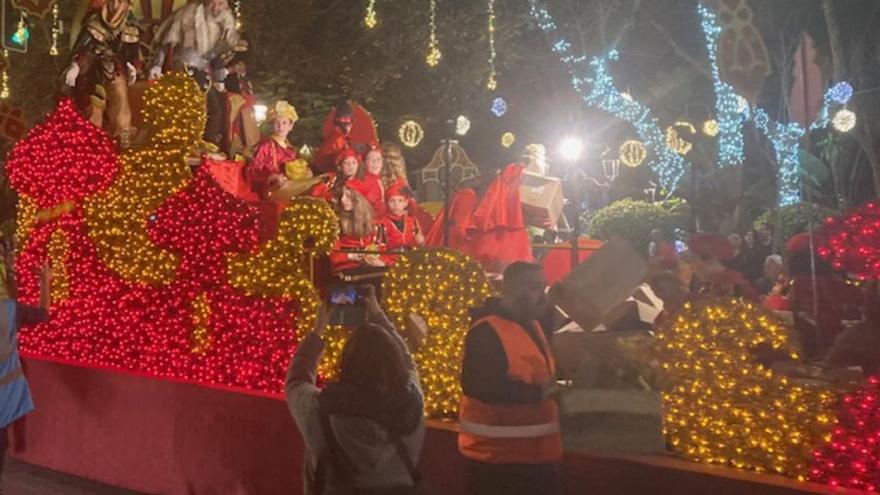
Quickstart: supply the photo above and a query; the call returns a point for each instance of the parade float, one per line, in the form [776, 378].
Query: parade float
[179, 297]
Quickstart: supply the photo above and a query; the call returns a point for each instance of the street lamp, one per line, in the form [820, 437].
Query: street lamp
[570, 149]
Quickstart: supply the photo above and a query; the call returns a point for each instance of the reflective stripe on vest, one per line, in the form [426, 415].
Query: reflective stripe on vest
[514, 434]
[527, 431]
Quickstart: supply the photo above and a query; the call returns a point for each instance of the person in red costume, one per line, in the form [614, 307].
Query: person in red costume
[348, 166]
[265, 172]
[357, 232]
[401, 228]
[489, 226]
[705, 254]
[337, 140]
[372, 176]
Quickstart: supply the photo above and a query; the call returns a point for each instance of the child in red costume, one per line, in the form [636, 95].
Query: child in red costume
[402, 229]
[357, 232]
[265, 172]
[337, 139]
[348, 165]
[372, 176]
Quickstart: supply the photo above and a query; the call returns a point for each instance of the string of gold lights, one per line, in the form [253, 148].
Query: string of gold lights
[434, 53]
[370, 16]
[492, 82]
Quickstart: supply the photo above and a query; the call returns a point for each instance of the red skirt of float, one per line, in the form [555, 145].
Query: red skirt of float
[161, 436]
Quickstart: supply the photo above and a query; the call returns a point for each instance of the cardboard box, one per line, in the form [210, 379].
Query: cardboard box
[606, 279]
[542, 199]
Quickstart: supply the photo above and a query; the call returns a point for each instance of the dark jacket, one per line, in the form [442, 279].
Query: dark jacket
[484, 371]
[362, 425]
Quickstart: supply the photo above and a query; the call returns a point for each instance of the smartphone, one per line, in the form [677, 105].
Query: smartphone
[346, 306]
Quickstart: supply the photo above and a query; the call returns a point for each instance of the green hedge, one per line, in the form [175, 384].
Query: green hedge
[794, 219]
[634, 220]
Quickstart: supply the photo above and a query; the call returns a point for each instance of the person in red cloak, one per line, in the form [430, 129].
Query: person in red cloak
[337, 140]
[489, 226]
[348, 166]
[357, 232]
[401, 228]
[265, 171]
[706, 252]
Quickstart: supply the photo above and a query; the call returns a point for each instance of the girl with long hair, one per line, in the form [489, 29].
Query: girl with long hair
[357, 232]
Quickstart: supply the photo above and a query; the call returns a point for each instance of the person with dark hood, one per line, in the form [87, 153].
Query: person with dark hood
[508, 419]
[338, 139]
[364, 433]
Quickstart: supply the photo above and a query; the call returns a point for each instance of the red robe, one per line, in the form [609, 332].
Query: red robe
[269, 159]
[397, 239]
[339, 258]
[489, 229]
[375, 194]
[334, 143]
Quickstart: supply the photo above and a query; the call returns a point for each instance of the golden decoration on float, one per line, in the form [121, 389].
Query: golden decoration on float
[722, 405]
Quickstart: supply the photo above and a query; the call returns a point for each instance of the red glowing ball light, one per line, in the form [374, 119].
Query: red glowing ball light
[65, 158]
[852, 458]
[852, 242]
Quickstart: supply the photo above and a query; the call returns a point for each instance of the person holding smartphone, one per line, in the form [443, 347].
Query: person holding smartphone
[363, 433]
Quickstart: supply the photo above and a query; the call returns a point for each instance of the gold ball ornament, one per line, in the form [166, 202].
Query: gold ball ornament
[507, 139]
[411, 133]
[844, 120]
[633, 153]
[711, 128]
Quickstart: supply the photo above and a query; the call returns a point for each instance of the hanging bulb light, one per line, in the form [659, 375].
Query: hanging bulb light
[844, 120]
[4, 76]
[370, 17]
[434, 53]
[56, 30]
[491, 83]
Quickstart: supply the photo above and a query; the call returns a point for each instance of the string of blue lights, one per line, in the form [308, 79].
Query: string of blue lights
[596, 85]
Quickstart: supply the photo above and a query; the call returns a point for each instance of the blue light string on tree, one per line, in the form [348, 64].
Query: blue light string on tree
[785, 139]
[730, 113]
[668, 165]
[838, 95]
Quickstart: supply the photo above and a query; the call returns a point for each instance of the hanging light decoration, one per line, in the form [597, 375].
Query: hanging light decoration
[507, 139]
[491, 83]
[434, 53]
[711, 128]
[4, 76]
[844, 120]
[370, 16]
[236, 12]
[22, 33]
[499, 106]
[462, 125]
[411, 133]
[633, 153]
[56, 31]
[674, 139]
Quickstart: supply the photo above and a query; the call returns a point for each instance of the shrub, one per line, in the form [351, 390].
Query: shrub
[634, 220]
[794, 219]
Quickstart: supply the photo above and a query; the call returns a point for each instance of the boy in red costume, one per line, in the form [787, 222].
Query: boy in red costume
[402, 229]
[337, 140]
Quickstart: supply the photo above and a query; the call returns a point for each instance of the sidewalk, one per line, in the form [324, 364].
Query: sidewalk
[20, 478]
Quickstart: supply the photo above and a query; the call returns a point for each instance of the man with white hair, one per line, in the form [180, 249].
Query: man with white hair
[773, 268]
[195, 38]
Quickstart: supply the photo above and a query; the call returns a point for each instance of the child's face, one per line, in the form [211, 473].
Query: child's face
[397, 205]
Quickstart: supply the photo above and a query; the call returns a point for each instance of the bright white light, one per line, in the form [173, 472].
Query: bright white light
[844, 120]
[260, 112]
[571, 148]
[462, 125]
